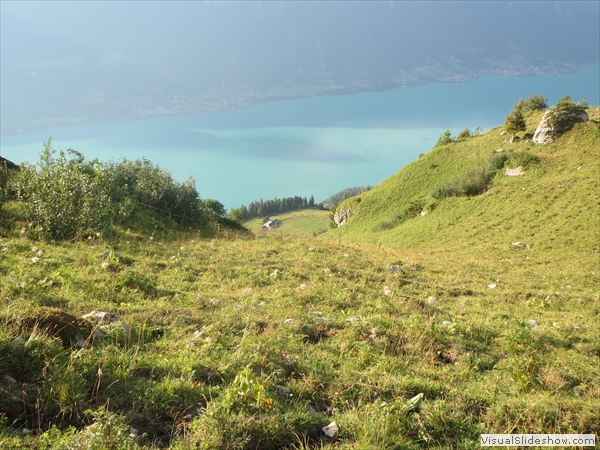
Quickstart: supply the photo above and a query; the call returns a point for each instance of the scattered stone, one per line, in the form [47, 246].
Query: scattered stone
[106, 318]
[387, 291]
[196, 335]
[18, 342]
[393, 269]
[500, 150]
[346, 255]
[492, 285]
[502, 133]
[431, 300]
[286, 321]
[326, 271]
[102, 316]
[107, 253]
[516, 244]
[424, 213]
[238, 307]
[311, 410]
[284, 391]
[414, 403]
[374, 333]
[533, 323]
[447, 323]
[10, 379]
[311, 249]
[133, 432]
[25, 431]
[303, 286]
[515, 172]
[331, 430]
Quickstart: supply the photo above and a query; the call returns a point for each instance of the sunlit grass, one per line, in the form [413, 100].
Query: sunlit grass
[241, 342]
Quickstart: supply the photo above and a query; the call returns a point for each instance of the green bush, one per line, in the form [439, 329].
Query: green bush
[140, 182]
[534, 103]
[472, 183]
[524, 159]
[67, 196]
[497, 161]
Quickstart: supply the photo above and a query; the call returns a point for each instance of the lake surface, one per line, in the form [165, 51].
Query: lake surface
[315, 146]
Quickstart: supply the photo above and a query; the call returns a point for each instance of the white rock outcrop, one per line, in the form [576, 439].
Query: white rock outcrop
[558, 119]
[342, 215]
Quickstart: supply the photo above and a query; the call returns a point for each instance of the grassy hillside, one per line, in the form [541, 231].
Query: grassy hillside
[226, 341]
[544, 220]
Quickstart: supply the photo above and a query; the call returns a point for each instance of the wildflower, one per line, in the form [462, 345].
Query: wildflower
[40, 252]
[35, 259]
[104, 265]
[34, 249]
[151, 238]
[387, 291]
[303, 286]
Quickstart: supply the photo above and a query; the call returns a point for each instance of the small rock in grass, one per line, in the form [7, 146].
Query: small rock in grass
[303, 286]
[133, 433]
[346, 255]
[107, 253]
[25, 431]
[10, 379]
[238, 307]
[331, 430]
[447, 323]
[533, 322]
[387, 291]
[284, 391]
[516, 244]
[287, 321]
[18, 342]
[393, 269]
[431, 300]
[414, 403]
[492, 285]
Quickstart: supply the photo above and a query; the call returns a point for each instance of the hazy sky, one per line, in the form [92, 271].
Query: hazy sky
[94, 61]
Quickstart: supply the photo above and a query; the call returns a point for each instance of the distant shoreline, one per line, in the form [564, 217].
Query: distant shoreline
[182, 106]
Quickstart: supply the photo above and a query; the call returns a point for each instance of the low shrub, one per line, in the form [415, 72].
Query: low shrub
[67, 196]
[472, 183]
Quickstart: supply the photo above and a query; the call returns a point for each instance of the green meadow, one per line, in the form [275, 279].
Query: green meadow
[223, 338]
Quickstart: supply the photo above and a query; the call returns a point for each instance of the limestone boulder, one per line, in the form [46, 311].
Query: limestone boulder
[558, 119]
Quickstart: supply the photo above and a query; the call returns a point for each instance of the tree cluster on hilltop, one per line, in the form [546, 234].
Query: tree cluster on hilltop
[266, 208]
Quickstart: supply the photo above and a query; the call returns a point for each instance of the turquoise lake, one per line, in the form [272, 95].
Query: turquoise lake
[315, 146]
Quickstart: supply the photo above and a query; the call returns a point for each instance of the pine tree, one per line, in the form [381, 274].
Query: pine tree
[515, 121]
